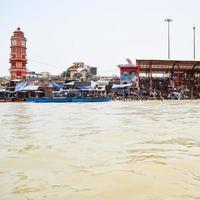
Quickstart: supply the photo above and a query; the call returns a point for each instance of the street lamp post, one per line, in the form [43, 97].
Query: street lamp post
[168, 20]
[194, 41]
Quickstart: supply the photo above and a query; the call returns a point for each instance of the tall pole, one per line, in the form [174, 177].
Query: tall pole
[194, 41]
[168, 20]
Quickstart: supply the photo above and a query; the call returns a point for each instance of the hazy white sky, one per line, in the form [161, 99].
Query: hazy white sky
[100, 33]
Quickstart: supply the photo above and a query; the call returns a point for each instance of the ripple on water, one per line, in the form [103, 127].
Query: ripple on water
[116, 150]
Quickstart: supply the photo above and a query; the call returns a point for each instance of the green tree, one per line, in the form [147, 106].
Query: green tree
[65, 74]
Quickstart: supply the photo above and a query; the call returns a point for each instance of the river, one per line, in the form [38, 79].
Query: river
[146, 150]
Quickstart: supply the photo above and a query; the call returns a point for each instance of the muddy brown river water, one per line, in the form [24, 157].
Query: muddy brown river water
[106, 151]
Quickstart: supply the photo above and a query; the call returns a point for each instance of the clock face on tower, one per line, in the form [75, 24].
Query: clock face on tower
[13, 42]
[23, 43]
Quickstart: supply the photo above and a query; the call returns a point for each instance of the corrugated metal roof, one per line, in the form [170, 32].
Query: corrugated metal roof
[31, 88]
[165, 65]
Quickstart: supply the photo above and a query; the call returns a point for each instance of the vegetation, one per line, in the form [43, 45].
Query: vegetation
[65, 74]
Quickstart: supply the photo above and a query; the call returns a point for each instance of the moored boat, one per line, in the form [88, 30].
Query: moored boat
[11, 100]
[68, 100]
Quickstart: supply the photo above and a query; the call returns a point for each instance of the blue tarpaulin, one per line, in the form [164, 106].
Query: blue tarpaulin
[86, 88]
[56, 86]
[120, 86]
[20, 86]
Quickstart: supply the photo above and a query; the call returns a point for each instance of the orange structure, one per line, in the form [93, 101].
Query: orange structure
[18, 59]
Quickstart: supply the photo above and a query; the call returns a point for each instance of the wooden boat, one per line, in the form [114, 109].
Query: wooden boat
[5, 100]
[68, 100]
[11, 100]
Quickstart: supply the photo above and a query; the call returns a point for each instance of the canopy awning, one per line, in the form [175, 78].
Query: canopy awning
[31, 88]
[168, 65]
[70, 83]
[87, 88]
[115, 86]
[56, 86]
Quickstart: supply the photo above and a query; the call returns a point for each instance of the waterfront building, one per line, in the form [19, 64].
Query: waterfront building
[168, 76]
[18, 58]
[129, 73]
[81, 71]
[32, 75]
[45, 75]
[162, 79]
[4, 81]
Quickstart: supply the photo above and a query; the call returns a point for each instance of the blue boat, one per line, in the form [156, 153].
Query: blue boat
[67, 100]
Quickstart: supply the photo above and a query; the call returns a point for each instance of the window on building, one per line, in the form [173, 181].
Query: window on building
[13, 50]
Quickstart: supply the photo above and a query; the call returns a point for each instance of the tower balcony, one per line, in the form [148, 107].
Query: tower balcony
[18, 59]
[19, 46]
[24, 70]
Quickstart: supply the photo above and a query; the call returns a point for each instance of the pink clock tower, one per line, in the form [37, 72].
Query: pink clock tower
[18, 59]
